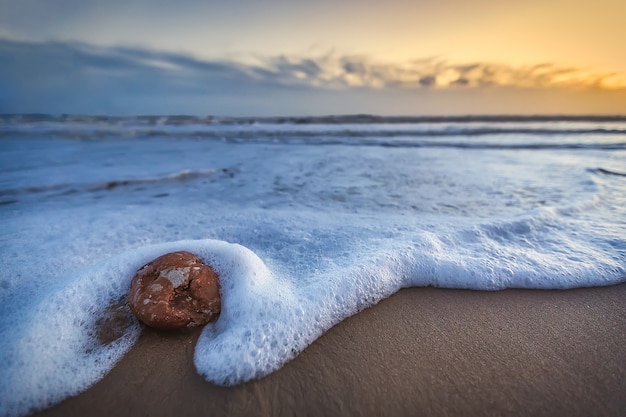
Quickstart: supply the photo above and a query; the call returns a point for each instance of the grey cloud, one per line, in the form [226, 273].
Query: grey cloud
[78, 76]
[82, 78]
[428, 80]
[353, 66]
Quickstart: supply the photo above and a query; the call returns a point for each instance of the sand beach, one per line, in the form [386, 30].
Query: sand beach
[421, 352]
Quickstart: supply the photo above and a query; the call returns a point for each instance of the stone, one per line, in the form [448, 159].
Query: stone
[175, 291]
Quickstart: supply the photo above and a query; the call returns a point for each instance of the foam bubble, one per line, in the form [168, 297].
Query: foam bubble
[267, 326]
[58, 351]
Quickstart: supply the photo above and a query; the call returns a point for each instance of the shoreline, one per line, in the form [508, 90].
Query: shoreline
[422, 351]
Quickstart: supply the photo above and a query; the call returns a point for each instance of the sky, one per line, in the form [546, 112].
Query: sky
[273, 57]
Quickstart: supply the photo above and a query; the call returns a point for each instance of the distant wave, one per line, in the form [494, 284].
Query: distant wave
[608, 172]
[471, 132]
[113, 184]
[312, 136]
[529, 146]
[615, 139]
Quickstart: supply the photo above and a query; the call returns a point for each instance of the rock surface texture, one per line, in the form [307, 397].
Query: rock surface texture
[175, 291]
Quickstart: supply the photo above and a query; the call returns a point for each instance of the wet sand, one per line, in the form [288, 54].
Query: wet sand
[423, 351]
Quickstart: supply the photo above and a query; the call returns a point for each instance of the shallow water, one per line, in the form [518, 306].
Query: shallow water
[322, 219]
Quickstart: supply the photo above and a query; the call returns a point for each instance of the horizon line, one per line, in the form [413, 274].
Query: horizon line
[351, 117]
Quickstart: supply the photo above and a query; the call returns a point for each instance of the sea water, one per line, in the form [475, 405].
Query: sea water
[307, 221]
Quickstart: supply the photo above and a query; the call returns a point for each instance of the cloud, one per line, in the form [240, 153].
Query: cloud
[346, 71]
[82, 78]
[77, 76]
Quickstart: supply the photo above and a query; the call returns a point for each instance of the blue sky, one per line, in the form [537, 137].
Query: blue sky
[247, 58]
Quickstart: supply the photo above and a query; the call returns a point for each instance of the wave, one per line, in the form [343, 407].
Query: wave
[498, 132]
[496, 138]
[608, 172]
[269, 318]
[184, 175]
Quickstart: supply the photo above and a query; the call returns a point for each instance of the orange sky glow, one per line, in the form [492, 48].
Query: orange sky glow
[570, 50]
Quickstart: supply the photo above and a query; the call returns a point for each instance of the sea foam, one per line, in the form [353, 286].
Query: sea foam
[267, 319]
[55, 353]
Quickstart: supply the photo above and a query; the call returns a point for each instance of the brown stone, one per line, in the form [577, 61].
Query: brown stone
[175, 291]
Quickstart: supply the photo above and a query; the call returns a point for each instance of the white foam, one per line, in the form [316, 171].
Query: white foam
[53, 354]
[246, 344]
[269, 317]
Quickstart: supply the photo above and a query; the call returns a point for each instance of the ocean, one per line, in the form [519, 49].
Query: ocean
[307, 221]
